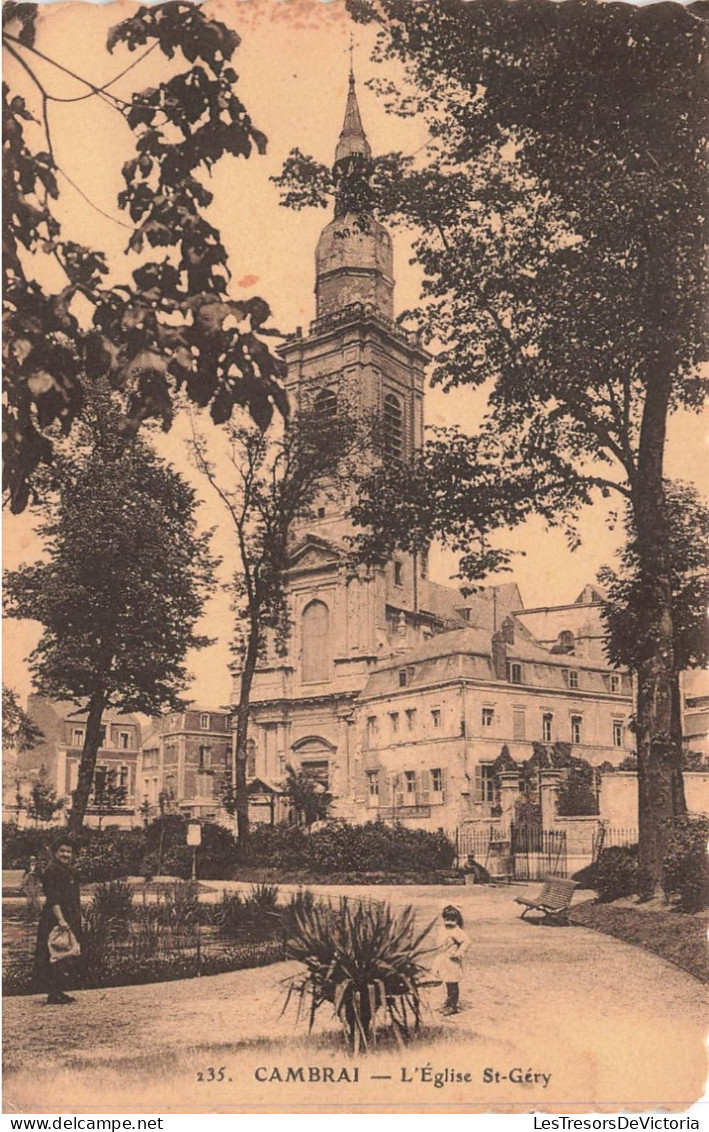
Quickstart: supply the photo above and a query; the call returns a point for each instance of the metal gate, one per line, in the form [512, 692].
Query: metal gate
[536, 852]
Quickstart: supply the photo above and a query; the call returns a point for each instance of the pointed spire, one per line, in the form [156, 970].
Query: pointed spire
[353, 139]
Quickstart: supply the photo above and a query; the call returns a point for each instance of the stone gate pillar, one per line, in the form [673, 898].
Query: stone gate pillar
[550, 782]
[509, 793]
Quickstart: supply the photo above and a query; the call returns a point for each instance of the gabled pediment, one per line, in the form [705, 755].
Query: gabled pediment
[313, 553]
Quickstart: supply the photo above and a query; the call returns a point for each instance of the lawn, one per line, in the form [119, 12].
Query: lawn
[677, 937]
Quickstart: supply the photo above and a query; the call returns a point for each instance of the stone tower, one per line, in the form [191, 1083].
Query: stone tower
[342, 626]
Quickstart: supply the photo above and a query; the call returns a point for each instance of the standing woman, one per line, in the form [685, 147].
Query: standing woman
[62, 909]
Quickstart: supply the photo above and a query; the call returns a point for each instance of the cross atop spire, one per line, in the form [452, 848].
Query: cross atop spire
[353, 140]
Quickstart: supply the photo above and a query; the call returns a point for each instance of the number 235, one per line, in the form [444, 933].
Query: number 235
[212, 1074]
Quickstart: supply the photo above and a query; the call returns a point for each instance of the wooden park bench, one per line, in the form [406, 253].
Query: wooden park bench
[553, 900]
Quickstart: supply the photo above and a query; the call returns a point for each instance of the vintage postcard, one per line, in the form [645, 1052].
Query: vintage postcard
[355, 712]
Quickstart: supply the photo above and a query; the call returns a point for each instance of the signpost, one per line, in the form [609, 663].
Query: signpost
[194, 838]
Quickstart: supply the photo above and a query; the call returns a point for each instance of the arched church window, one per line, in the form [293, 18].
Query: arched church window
[326, 403]
[393, 427]
[315, 627]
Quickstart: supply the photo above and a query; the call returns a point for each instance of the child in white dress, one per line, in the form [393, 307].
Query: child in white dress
[454, 943]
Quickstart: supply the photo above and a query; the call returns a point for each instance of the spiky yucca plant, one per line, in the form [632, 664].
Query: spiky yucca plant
[364, 959]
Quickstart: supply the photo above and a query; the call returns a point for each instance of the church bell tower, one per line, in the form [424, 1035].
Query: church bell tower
[354, 353]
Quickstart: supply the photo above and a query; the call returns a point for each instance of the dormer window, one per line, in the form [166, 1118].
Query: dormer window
[403, 680]
[514, 672]
[205, 721]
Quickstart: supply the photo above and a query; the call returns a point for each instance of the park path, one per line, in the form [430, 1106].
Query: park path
[610, 1025]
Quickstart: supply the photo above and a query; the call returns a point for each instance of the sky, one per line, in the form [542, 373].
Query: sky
[293, 66]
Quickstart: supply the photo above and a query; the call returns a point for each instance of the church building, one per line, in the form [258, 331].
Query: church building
[397, 692]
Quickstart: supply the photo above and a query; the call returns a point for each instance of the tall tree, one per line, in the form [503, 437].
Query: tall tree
[172, 324]
[268, 483]
[559, 214]
[120, 586]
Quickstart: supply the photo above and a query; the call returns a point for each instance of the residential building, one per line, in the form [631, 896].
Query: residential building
[63, 726]
[185, 759]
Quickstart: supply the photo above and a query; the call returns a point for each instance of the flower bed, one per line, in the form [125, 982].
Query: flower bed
[176, 936]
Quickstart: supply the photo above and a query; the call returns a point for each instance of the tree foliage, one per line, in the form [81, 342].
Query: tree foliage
[687, 530]
[310, 799]
[120, 586]
[19, 731]
[173, 324]
[42, 802]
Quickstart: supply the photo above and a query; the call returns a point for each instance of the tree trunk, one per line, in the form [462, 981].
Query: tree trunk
[242, 732]
[660, 785]
[92, 742]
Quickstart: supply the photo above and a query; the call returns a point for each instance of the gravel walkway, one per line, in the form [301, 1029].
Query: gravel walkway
[611, 1027]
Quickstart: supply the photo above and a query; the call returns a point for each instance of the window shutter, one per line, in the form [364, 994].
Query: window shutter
[478, 783]
[397, 786]
[385, 792]
[443, 783]
[425, 787]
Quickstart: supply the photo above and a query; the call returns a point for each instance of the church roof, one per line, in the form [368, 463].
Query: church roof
[488, 608]
[353, 140]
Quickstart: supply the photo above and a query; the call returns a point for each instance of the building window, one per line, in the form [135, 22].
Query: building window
[373, 789]
[572, 677]
[372, 727]
[315, 629]
[576, 722]
[614, 682]
[394, 722]
[102, 737]
[205, 757]
[326, 403]
[436, 718]
[100, 781]
[398, 574]
[410, 787]
[205, 721]
[77, 737]
[424, 563]
[124, 740]
[514, 672]
[410, 718]
[123, 777]
[547, 720]
[488, 717]
[393, 427]
[321, 512]
[617, 732]
[518, 724]
[484, 783]
[250, 758]
[437, 780]
[402, 678]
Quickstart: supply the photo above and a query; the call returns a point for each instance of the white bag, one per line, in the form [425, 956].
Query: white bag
[62, 944]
